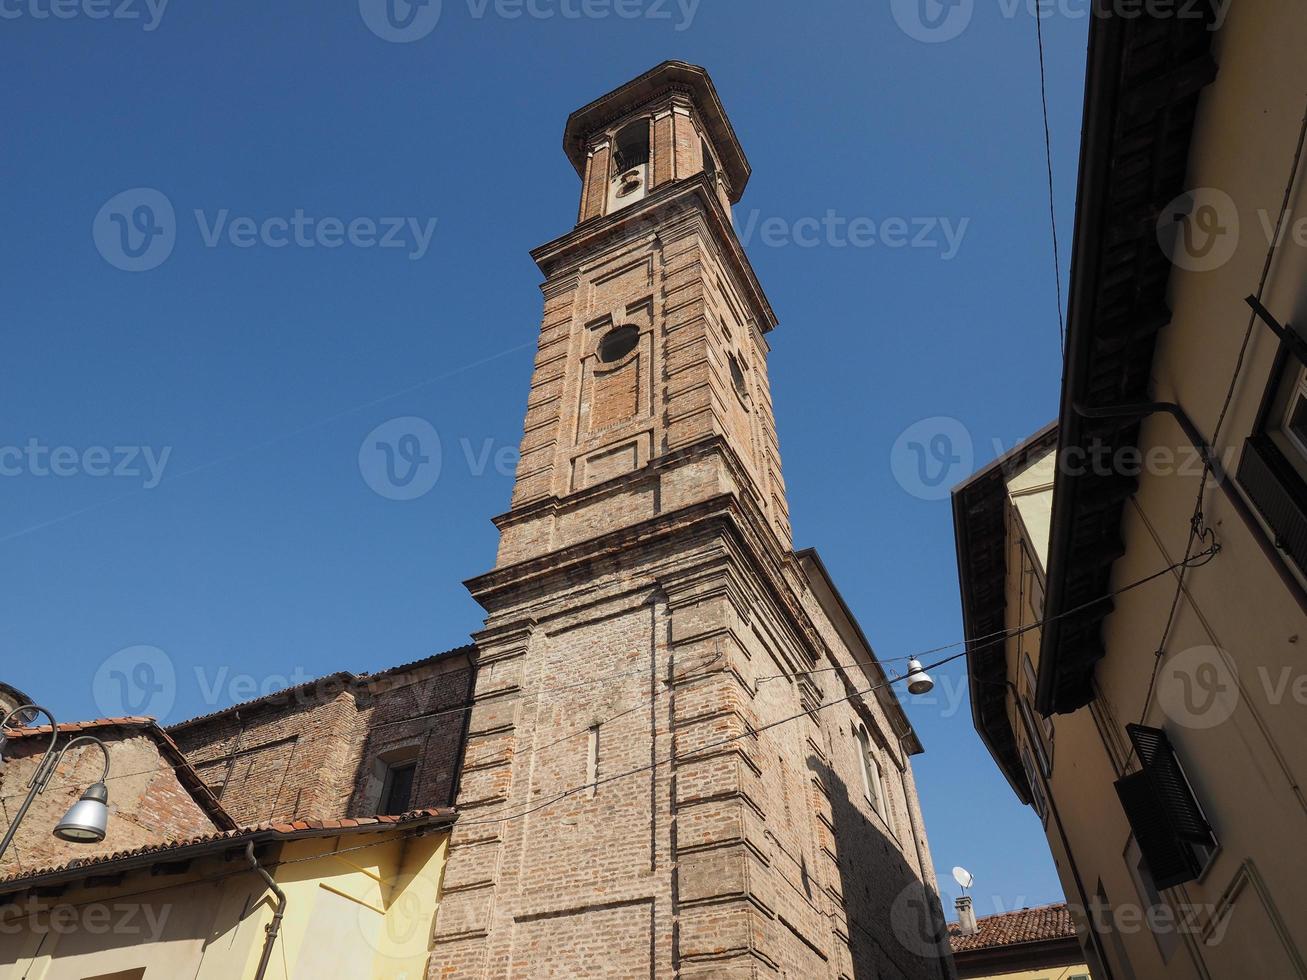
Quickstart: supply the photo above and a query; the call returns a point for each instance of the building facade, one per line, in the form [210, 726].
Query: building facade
[671, 749]
[327, 900]
[656, 781]
[178, 888]
[1133, 577]
[344, 745]
[1026, 944]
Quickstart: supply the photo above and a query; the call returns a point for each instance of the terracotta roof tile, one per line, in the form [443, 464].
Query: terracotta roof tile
[131, 721]
[267, 830]
[344, 677]
[168, 749]
[1010, 928]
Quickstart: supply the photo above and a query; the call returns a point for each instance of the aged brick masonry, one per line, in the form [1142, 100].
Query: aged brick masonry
[624, 808]
[649, 537]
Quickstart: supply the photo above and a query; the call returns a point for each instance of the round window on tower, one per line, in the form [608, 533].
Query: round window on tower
[618, 342]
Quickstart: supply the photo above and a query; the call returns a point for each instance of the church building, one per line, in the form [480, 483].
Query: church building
[671, 751]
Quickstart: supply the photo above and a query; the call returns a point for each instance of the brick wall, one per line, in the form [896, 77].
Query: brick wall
[147, 803]
[319, 751]
[627, 807]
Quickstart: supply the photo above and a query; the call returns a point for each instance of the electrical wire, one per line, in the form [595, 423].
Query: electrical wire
[1048, 157]
[753, 732]
[995, 637]
[998, 636]
[1197, 529]
[459, 709]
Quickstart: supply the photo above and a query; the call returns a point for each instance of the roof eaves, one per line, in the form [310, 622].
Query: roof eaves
[186, 849]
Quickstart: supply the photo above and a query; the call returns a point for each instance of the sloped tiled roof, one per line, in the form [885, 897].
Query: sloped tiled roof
[204, 843]
[345, 678]
[1042, 924]
[168, 749]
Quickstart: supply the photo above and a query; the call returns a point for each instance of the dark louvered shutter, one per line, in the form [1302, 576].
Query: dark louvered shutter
[1275, 487]
[1167, 822]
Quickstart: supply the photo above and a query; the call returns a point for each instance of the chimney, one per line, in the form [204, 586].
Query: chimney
[966, 917]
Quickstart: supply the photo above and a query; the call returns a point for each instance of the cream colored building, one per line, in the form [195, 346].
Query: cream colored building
[1169, 786]
[178, 889]
[357, 899]
[1025, 944]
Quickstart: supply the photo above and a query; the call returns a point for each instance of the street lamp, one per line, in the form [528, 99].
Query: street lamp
[919, 682]
[86, 820]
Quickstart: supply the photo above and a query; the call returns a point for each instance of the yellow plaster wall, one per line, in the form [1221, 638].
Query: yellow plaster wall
[350, 914]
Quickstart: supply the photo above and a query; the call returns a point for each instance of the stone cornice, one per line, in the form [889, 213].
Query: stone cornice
[740, 519]
[563, 255]
[680, 81]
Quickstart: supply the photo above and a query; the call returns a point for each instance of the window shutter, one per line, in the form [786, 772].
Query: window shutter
[1162, 811]
[1276, 489]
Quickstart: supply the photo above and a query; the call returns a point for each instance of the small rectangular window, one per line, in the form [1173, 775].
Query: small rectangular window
[1273, 466]
[1037, 800]
[872, 781]
[1166, 938]
[1038, 730]
[1295, 415]
[397, 796]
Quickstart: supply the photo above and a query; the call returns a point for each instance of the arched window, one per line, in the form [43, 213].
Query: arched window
[709, 164]
[631, 147]
[630, 178]
[737, 378]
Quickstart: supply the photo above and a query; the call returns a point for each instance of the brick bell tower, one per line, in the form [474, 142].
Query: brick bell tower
[621, 815]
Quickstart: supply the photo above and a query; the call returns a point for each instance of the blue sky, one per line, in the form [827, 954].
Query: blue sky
[230, 387]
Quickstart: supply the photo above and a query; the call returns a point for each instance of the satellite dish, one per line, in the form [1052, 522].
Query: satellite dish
[964, 877]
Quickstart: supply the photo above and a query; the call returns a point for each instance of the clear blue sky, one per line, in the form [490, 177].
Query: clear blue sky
[262, 551]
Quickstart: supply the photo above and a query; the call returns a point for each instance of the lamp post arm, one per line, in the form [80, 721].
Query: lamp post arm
[64, 751]
[36, 783]
[49, 751]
